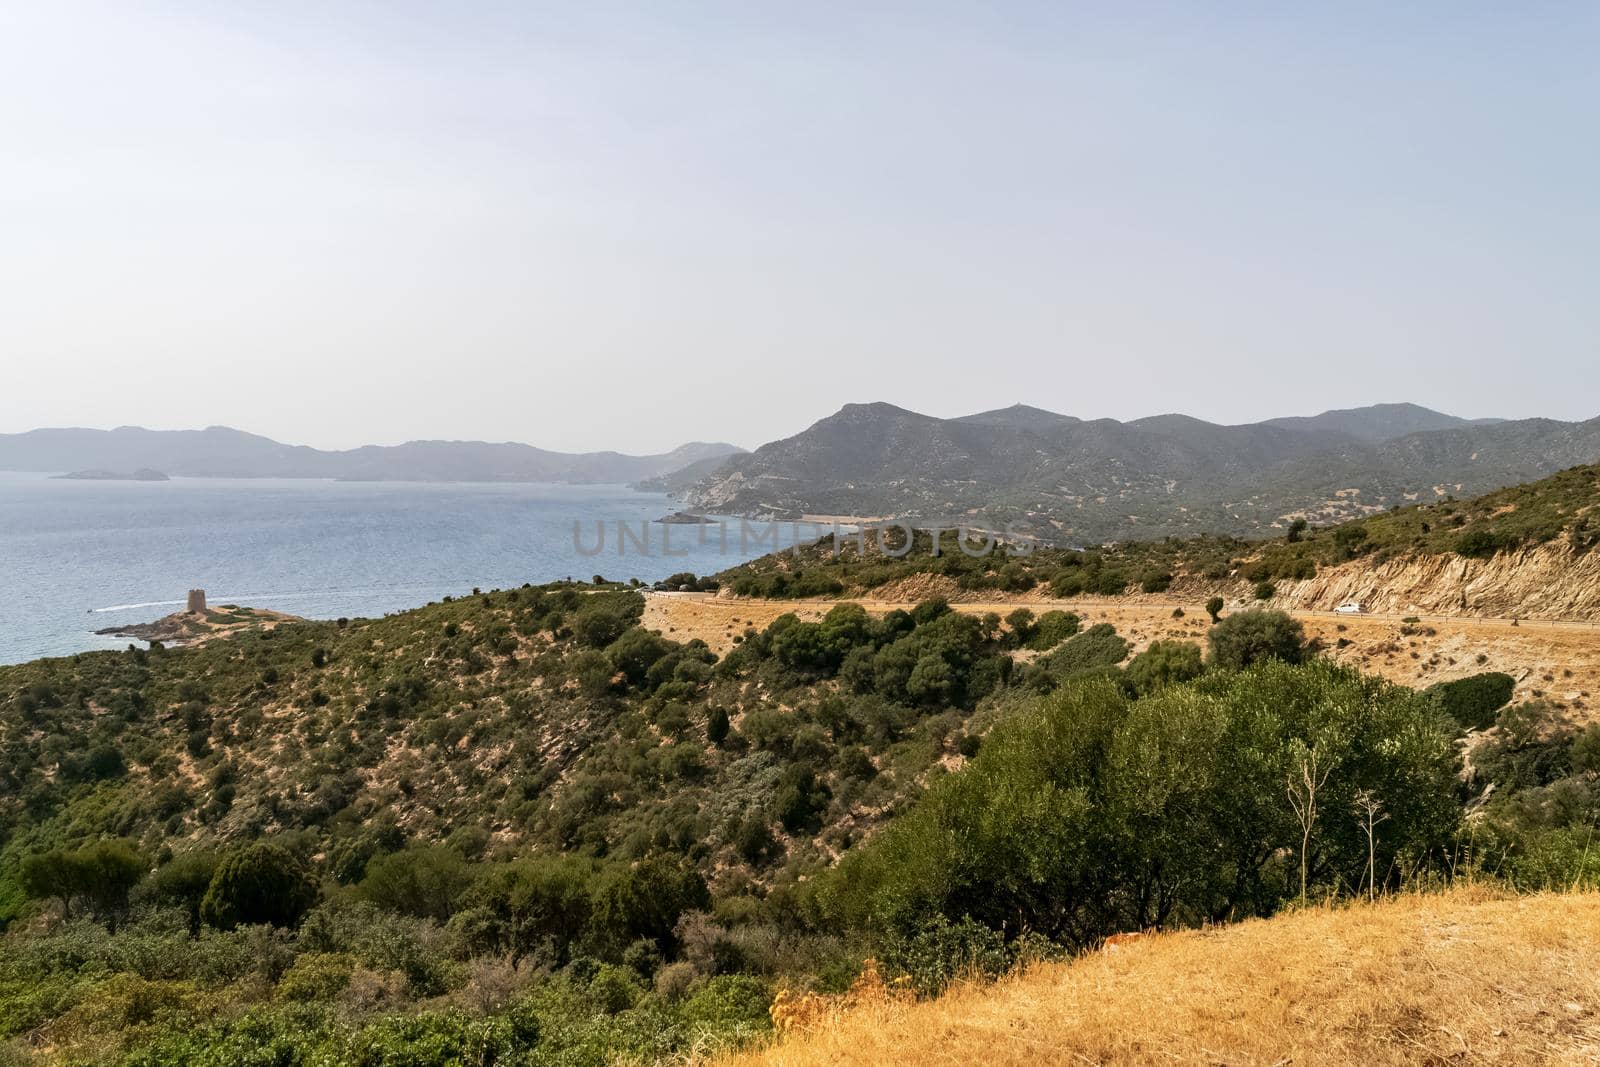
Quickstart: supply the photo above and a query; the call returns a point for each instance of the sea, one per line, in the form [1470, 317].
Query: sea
[80, 556]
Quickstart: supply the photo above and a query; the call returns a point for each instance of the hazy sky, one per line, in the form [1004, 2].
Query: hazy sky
[627, 225]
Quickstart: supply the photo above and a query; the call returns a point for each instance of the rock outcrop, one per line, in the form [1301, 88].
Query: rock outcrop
[1549, 581]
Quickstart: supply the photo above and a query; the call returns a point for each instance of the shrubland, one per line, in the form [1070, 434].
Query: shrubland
[517, 827]
[1560, 509]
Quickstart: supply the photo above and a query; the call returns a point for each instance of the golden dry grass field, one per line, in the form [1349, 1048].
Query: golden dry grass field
[1468, 976]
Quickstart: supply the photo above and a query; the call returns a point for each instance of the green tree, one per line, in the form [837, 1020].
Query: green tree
[1021, 625]
[1249, 636]
[1297, 529]
[424, 880]
[259, 883]
[635, 652]
[102, 874]
[931, 680]
[645, 901]
[717, 725]
[55, 874]
[112, 869]
[1087, 812]
[183, 881]
[1214, 608]
[538, 903]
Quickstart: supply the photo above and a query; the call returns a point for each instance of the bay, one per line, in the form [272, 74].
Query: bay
[79, 556]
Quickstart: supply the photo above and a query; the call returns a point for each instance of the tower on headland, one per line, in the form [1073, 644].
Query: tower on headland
[197, 602]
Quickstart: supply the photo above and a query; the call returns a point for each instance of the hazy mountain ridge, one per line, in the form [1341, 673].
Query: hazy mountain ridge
[1077, 480]
[1378, 422]
[221, 452]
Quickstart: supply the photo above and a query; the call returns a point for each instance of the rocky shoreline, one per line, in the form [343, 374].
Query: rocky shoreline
[190, 627]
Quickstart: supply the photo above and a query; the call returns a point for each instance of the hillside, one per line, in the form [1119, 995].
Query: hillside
[678, 482]
[518, 827]
[1378, 422]
[1071, 481]
[1526, 552]
[220, 452]
[1464, 976]
[521, 717]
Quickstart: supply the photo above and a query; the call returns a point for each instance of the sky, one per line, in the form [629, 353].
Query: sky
[599, 225]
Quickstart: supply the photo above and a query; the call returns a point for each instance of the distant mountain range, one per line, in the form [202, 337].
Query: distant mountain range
[1072, 480]
[1067, 480]
[220, 452]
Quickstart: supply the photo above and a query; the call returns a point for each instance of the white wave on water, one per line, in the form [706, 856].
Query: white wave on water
[132, 607]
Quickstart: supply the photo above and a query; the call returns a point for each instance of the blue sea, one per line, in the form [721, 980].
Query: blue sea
[79, 556]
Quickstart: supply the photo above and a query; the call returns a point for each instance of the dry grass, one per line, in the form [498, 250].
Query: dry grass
[1462, 977]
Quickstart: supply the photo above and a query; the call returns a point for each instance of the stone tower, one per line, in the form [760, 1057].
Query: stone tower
[197, 602]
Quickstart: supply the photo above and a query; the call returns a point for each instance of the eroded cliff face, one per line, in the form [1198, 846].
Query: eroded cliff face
[1550, 581]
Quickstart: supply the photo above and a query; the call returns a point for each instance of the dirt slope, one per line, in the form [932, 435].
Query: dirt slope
[1462, 977]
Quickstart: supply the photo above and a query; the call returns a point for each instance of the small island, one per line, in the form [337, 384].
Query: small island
[684, 518]
[143, 474]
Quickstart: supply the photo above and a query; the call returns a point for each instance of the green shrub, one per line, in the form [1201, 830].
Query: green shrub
[605, 617]
[729, 1002]
[1021, 624]
[1479, 543]
[1247, 637]
[717, 725]
[645, 901]
[1155, 580]
[1098, 646]
[938, 951]
[1164, 663]
[316, 976]
[271, 1037]
[615, 989]
[442, 1039]
[1473, 702]
[1052, 628]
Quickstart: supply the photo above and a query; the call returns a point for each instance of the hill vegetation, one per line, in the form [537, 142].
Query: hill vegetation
[1563, 509]
[1070, 481]
[517, 827]
[221, 452]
